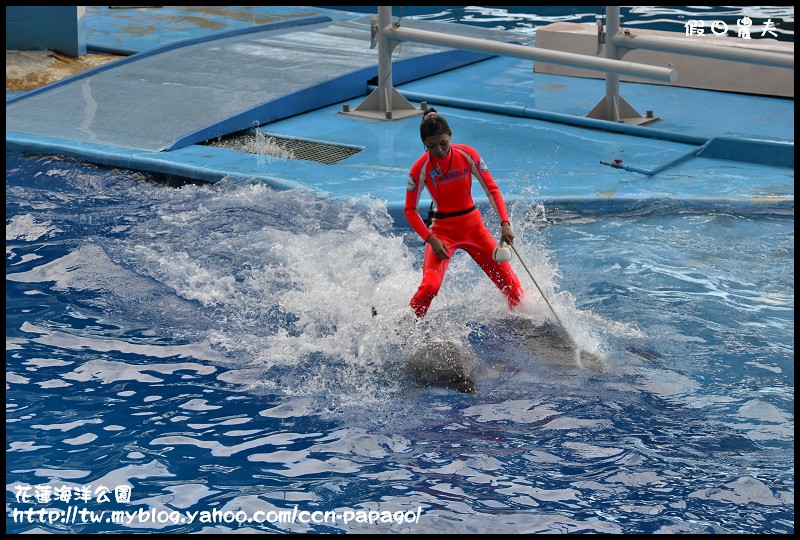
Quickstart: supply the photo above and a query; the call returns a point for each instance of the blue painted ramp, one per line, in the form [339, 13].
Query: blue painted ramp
[195, 90]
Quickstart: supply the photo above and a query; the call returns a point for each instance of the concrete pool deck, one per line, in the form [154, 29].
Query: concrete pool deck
[528, 126]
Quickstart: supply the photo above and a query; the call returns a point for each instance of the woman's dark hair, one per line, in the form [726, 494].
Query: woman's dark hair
[433, 124]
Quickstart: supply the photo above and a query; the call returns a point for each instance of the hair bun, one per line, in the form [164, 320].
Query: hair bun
[433, 124]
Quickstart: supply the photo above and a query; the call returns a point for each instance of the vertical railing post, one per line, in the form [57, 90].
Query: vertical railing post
[612, 79]
[385, 102]
[613, 107]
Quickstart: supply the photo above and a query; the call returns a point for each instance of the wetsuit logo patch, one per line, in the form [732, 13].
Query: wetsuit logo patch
[412, 184]
[436, 175]
[482, 165]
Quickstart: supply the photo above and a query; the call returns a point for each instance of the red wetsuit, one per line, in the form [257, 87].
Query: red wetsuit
[449, 182]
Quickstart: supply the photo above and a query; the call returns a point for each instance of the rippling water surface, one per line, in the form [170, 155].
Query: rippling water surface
[213, 347]
[666, 18]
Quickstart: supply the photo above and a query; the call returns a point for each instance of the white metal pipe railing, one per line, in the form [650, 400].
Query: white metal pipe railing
[664, 74]
[613, 107]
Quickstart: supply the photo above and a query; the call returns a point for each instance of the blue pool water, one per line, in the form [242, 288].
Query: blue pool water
[213, 348]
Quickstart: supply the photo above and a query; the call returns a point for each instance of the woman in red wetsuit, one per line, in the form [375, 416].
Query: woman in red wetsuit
[446, 169]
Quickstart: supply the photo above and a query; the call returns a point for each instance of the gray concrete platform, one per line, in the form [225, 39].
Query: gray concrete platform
[708, 147]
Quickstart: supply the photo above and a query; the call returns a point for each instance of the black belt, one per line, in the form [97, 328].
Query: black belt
[442, 215]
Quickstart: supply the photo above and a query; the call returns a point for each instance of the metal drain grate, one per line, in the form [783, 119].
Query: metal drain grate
[268, 144]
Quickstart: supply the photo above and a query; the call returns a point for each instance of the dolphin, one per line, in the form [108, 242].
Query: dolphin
[552, 344]
[444, 363]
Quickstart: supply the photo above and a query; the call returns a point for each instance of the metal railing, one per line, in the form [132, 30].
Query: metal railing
[386, 103]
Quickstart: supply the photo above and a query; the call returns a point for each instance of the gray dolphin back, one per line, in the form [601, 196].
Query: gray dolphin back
[444, 363]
